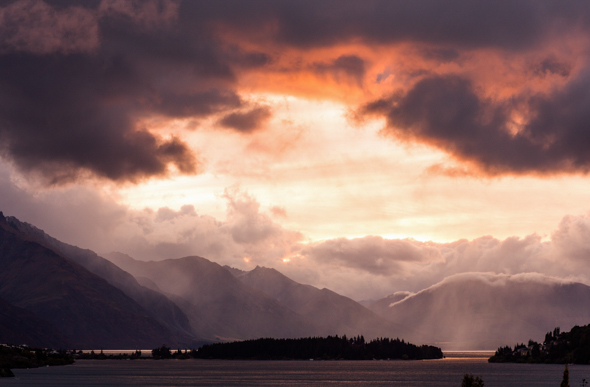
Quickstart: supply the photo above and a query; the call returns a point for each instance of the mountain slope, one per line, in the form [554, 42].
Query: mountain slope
[382, 306]
[485, 311]
[159, 306]
[85, 308]
[19, 326]
[218, 304]
[335, 313]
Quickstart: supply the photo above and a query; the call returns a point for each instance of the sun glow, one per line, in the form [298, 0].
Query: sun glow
[339, 178]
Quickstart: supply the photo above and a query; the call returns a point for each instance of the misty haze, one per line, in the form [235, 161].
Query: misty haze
[290, 180]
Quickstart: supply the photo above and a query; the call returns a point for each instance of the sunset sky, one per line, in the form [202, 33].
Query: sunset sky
[364, 146]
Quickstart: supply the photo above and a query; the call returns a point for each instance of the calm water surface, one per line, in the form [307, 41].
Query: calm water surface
[445, 372]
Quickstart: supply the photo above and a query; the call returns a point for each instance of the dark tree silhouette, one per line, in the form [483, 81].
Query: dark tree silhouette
[331, 347]
[471, 381]
[162, 353]
[566, 378]
[559, 347]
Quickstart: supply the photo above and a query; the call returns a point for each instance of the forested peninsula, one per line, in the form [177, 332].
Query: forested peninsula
[558, 347]
[13, 356]
[319, 348]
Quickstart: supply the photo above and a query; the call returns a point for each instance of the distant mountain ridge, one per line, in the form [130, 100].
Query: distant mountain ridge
[52, 293]
[335, 314]
[95, 303]
[279, 306]
[218, 304]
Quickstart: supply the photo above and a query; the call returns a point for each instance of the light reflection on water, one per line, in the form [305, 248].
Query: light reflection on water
[445, 372]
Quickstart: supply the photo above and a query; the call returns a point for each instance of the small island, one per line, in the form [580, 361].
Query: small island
[557, 348]
[319, 348]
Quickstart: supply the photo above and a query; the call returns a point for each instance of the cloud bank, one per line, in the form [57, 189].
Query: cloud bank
[76, 80]
[366, 267]
[446, 112]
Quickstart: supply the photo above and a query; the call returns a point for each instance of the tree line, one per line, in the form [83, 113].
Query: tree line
[558, 347]
[324, 348]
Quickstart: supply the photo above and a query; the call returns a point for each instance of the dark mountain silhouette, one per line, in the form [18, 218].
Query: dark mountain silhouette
[485, 311]
[218, 304]
[19, 326]
[85, 308]
[159, 306]
[336, 314]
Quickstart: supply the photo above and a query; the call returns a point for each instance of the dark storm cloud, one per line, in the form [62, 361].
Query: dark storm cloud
[504, 23]
[552, 65]
[446, 112]
[75, 81]
[246, 122]
[36, 27]
[350, 66]
[60, 115]
[441, 54]
[77, 78]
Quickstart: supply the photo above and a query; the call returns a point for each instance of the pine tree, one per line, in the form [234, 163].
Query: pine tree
[566, 378]
[470, 381]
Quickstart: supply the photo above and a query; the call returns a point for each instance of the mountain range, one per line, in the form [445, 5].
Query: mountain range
[53, 294]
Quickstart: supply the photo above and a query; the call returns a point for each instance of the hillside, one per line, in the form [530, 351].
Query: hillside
[19, 326]
[160, 308]
[87, 310]
[485, 311]
[336, 314]
[219, 306]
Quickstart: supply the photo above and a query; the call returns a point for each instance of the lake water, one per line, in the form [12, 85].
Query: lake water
[444, 372]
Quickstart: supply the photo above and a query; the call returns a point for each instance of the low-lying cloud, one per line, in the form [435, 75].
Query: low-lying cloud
[374, 254]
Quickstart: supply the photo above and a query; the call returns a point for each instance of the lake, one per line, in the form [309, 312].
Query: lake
[444, 372]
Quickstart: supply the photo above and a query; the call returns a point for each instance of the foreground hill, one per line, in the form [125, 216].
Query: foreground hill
[87, 310]
[335, 314]
[483, 310]
[219, 306]
[19, 326]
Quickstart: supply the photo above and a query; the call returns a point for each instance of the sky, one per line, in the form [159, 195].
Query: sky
[368, 147]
